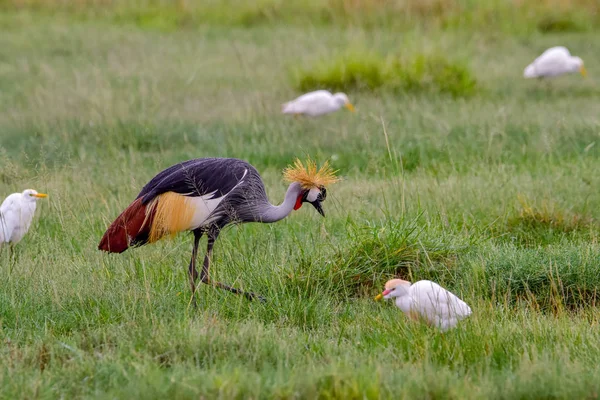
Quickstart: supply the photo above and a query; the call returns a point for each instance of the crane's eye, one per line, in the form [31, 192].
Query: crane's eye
[323, 194]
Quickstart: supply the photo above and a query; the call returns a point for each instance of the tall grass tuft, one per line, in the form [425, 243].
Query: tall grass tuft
[377, 252]
[544, 224]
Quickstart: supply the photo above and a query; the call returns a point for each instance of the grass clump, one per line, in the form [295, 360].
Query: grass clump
[368, 71]
[354, 71]
[551, 278]
[544, 224]
[558, 24]
[376, 253]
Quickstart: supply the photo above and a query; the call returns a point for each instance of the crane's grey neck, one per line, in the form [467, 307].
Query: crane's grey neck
[273, 213]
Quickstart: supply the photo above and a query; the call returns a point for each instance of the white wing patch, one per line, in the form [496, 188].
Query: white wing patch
[205, 206]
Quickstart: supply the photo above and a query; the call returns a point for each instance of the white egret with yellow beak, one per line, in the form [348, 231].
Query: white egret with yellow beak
[426, 301]
[16, 214]
[554, 62]
[317, 103]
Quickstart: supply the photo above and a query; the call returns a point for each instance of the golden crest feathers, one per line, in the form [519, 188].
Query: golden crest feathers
[308, 175]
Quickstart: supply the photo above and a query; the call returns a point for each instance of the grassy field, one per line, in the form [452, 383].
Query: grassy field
[492, 191]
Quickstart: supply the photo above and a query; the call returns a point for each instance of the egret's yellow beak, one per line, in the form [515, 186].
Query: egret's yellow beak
[350, 107]
[384, 293]
[583, 71]
[40, 195]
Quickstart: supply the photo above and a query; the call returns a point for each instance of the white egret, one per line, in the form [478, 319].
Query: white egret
[426, 301]
[317, 103]
[554, 62]
[16, 214]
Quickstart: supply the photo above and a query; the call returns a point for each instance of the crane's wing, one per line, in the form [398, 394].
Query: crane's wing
[437, 304]
[198, 177]
[10, 213]
[188, 195]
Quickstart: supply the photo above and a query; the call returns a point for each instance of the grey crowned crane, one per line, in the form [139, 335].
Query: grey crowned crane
[203, 196]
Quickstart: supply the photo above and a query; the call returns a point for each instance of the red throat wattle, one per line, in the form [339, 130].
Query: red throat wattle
[298, 202]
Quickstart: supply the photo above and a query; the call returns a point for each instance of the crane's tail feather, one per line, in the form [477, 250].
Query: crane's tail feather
[130, 228]
[140, 223]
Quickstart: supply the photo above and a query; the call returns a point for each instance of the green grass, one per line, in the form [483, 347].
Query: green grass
[514, 16]
[493, 195]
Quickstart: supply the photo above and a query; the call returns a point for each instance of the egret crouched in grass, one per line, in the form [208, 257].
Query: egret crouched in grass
[426, 301]
[317, 103]
[203, 196]
[16, 214]
[554, 62]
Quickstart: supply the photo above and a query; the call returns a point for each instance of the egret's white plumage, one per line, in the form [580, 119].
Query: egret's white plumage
[427, 301]
[554, 62]
[317, 103]
[16, 214]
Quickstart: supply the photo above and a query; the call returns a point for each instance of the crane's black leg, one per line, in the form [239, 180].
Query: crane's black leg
[204, 277]
[13, 256]
[193, 273]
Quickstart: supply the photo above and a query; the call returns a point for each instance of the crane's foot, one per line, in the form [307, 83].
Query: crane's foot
[254, 296]
[248, 295]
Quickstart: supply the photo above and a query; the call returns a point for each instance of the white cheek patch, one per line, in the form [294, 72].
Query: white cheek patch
[312, 194]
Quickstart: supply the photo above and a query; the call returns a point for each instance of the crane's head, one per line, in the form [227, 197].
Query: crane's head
[394, 288]
[312, 182]
[32, 195]
[314, 196]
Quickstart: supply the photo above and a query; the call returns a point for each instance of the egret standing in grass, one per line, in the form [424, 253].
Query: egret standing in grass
[317, 103]
[426, 301]
[554, 62]
[16, 214]
[203, 196]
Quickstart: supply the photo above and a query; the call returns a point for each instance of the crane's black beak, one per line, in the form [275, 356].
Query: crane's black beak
[317, 204]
